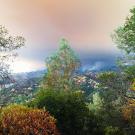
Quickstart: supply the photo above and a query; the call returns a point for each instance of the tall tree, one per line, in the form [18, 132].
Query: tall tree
[60, 67]
[124, 37]
[8, 46]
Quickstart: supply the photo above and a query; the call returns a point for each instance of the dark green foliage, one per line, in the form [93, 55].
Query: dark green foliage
[124, 37]
[113, 86]
[70, 110]
[130, 73]
[113, 131]
[113, 90]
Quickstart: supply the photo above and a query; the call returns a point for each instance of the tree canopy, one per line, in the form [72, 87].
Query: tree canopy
[61, 66]
[124, 36]
[8, 45]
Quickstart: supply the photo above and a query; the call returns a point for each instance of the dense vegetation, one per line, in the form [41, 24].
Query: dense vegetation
[64, 104]
[17, 119]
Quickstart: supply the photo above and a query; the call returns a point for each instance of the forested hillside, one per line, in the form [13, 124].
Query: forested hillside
[63, 99]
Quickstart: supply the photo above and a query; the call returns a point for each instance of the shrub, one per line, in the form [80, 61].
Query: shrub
[70, 110]
[113, 131]
[129, 112]
[17, 119]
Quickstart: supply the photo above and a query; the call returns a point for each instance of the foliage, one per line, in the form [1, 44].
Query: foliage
[8, 45]
[124, 35]
[129, 111]
[97, 102]
[17, 119]
[70, 110]
[113, 131]
[130, 73]
[113, 91]
[107, 79]
[114, 87]
[61, 67]
[23, 90]
[133, 85]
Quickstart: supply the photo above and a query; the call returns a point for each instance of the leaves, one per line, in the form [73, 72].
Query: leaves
[61, 67]
[8, 45]
[133, 85]
[129, 111]
[18, 119]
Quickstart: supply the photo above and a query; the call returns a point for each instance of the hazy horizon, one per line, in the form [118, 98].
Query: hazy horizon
[87, 24]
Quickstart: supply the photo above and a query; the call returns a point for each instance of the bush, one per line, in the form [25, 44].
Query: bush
[129, 112]
[69, 109]
[113, 131]
[17, 120]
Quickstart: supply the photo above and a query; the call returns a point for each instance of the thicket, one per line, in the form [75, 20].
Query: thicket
[18, 120]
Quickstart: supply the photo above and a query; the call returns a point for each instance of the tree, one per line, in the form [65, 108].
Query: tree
[8, 45]
[113, 131]
[70, 110]
[60, 67]
[113, 90]
[113, 87]
[124, 37]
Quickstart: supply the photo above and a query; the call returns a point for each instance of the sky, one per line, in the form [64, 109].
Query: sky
[87, 24]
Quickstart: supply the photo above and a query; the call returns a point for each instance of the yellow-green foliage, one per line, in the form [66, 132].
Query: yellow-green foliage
[133, 85]
[18, 119]
[60, 68]
[129, 111]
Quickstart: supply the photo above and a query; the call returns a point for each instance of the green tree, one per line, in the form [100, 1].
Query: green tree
[113, 131]
[124, 37]
[8, 46]
[97, 100]
[70, 110]
[113, 87]
[61, 67]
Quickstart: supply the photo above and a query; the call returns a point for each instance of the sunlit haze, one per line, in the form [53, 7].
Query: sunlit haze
[87, 24]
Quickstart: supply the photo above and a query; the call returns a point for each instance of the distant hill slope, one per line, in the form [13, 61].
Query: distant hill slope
[26, 84]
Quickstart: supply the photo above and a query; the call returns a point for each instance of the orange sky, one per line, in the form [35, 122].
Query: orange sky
[87, 24]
